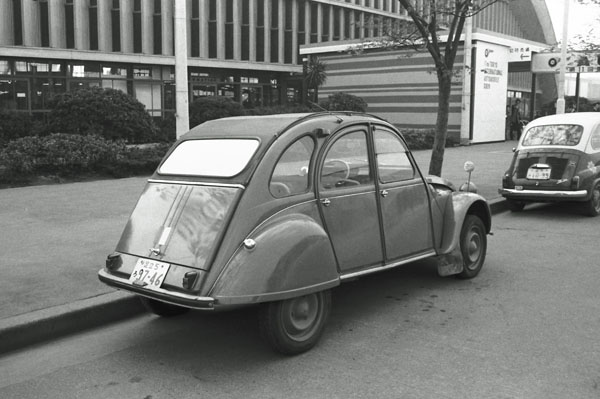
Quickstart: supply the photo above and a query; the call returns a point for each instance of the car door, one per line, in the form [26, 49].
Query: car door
[403, 197]
[348, 200]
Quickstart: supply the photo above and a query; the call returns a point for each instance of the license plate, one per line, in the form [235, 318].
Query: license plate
[538, 174]
[149, 273]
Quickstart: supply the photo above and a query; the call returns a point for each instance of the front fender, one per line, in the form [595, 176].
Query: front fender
[462, 204]
[291, 256]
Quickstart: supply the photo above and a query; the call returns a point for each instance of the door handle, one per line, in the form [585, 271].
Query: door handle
[326, 201]
[384, 193]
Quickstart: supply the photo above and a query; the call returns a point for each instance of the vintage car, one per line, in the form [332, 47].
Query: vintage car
[557, 159]
[278, 210]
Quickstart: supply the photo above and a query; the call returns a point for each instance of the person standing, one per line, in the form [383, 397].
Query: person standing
[515, 121]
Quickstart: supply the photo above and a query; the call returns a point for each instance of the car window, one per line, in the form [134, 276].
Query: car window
[290, 175]
[210, 157]
[553, 135]
[347, 162]
[595, 139]
[393, 163]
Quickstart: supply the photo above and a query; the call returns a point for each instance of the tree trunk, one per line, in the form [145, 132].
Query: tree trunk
[441, 125]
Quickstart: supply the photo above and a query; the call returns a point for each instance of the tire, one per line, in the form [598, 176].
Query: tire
[473, 246]
[592, 207]
[161, 308]
[515, 206]
[294, 325]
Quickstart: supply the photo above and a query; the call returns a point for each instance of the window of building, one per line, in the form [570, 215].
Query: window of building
[326, 28]
[274, 23]
[260, 30]
[336, 23]
[288, 35]
[157, 22]
[195, 29]
[301, 24]
[5, 67]
[245, 30]
[137, 26]
[93, 25]
[44, 25]
[17, 23]
[229, 29]
[116, 25]
[212, 29]
[69, 24]
[314, 23]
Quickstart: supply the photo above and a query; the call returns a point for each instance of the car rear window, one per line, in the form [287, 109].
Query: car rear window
[210, 157]
[553, 135]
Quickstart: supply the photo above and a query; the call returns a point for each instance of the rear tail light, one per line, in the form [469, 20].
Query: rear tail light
[189, 279]
[575, 183]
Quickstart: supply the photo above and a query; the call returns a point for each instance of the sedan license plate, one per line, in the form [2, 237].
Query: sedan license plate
[149, 273]
[538, 174]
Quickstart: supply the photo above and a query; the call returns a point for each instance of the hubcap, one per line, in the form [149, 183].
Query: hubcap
[473, 247]
[301, 315]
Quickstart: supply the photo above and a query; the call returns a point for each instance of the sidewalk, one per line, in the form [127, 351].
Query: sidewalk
[56, 238]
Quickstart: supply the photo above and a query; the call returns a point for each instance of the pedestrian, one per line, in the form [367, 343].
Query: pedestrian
[515, 121]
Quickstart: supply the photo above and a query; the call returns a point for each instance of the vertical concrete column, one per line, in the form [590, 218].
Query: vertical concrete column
[82, 23]
[319, 22]
[30, 12]
[294, 6]
[281, 31]
[7, 34]
[331, 23]
[307, 20]
[252, 28]
[204, 13]
[126, 8]
[182, 120]
[267, 25]
[167, 25]
[58, 30]
[237, 30]
[147, 27]
[221, 30]
[104, 26]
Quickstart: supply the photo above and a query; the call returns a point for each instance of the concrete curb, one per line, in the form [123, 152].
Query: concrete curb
[43, 325]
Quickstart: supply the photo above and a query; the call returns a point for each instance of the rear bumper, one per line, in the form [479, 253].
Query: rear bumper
[175, 298]
[543, 195]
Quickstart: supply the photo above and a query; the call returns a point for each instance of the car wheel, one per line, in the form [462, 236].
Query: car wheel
[473, 246]
[293, 326]
[593, 205]
[515, 206]
[161, 308]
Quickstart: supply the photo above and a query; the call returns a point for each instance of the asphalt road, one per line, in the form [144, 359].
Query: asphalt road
[526, 327]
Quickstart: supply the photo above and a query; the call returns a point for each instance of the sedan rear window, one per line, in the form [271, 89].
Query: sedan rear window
[210, 157]
[553, 135]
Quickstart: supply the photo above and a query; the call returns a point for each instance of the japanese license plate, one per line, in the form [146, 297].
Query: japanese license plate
[538, 173]
[149, 273]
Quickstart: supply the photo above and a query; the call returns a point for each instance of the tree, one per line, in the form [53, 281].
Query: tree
[429, 20]
[316, 75]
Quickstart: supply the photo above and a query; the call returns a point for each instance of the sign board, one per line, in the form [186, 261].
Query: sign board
[576, 62]
[546, 62]
[519, 53]
[489, 92]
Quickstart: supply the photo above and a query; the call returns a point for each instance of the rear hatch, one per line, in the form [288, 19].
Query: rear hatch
[179, 223]
[540, 169]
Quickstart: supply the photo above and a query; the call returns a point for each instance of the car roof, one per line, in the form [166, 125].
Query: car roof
[586, 119]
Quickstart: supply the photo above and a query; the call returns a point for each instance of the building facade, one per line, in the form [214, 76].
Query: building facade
[250, 50]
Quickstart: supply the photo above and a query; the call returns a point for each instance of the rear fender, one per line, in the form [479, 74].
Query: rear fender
[288, 255]
[463, 204]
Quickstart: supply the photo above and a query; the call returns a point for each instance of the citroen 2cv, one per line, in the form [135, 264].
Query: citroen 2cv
[278, 210]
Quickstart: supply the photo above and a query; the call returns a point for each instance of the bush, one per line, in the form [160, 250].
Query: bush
[208, 108]
[344, 102]
[109, 113]
[279, 109]
[422, 139]
[14, 125]
[136, 160]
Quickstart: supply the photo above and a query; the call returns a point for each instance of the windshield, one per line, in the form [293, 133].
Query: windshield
[553, 135]
[210, 157]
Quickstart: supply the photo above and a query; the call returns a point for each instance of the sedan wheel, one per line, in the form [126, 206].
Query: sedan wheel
[473, 246]
[593, 205]
[295, 325]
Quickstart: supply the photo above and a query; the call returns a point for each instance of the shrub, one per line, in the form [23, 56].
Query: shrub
[208, 108]
[136, 160]
[279, 109]
[14, 125]
[109, 113]
[422, 139]
[344, 102]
